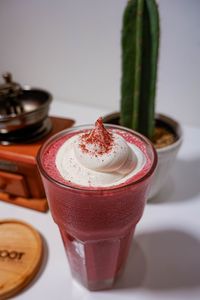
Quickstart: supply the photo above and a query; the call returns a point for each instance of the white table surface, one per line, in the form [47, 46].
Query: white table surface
[164, 261]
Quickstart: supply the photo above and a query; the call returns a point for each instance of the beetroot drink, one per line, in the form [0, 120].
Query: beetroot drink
[96, 181]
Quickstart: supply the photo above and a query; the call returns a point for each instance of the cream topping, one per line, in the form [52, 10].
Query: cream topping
[99, 158]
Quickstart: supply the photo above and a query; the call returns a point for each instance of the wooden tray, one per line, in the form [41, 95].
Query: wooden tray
[20, 256]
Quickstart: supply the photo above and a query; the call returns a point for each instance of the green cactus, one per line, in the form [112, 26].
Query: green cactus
[140, 46]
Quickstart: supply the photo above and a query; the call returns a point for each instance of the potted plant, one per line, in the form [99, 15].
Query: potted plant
[140, 49]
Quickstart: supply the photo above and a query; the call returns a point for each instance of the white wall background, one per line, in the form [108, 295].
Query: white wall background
[72, 48]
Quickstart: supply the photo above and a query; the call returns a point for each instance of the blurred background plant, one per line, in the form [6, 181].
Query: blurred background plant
[140, 47]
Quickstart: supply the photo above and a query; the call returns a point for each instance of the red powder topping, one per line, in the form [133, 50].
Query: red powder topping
[98, 137]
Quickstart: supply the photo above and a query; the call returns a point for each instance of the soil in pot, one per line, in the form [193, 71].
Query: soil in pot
[164, 134]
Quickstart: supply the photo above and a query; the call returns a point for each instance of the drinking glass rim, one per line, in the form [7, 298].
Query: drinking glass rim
[97, 190]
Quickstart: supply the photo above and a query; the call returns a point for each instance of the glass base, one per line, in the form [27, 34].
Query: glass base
[96, 264]
[95, 285]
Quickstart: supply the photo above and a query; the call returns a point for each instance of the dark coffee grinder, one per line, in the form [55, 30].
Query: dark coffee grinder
[24, 126]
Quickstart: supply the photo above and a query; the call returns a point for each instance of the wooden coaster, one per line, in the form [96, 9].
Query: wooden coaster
[20, 256]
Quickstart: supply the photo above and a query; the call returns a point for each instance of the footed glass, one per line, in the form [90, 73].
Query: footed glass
[96, 225]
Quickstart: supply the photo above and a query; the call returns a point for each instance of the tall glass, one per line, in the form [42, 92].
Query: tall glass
[96, 225]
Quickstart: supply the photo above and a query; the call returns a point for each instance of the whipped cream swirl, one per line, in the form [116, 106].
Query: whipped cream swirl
[98, 158]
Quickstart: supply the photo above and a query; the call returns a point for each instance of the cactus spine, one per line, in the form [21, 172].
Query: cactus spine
[140, 45]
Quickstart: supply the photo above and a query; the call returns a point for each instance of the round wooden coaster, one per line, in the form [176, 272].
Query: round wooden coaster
[20, 256]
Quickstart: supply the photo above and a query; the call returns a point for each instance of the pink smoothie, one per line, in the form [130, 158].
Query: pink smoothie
[96, 224]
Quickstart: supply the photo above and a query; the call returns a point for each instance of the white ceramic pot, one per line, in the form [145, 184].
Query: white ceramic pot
[166, 156]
